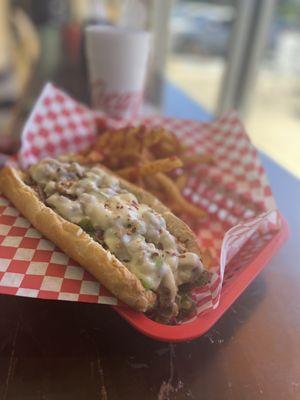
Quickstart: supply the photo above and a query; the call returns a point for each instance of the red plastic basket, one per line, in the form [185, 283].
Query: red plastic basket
[233, 191]
[239, 274]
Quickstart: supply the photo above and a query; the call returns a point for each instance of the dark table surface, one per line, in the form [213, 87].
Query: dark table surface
[64, 350]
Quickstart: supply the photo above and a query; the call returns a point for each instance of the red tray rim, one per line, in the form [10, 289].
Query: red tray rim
[200, 326]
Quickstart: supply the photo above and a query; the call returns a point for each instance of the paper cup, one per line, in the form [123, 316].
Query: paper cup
[117, 62]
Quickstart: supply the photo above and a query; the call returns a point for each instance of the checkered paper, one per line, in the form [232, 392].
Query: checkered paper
[234, 192]
[34, 267]
[57, 123]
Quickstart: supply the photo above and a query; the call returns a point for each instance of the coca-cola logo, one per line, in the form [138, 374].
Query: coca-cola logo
[116, 104]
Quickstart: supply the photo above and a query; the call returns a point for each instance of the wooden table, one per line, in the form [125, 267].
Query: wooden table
[62, 350]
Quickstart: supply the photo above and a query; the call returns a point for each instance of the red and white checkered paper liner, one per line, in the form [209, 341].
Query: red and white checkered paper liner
[57, 123]
[234, 192]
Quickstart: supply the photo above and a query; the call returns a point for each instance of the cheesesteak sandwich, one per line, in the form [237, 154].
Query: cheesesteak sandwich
[126, 238]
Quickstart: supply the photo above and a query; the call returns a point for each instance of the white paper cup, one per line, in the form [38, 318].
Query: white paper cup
[117, 62]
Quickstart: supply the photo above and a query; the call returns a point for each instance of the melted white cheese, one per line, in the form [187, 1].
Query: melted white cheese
[133, 232]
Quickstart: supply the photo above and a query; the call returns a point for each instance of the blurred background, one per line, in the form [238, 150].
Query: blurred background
[241, 54]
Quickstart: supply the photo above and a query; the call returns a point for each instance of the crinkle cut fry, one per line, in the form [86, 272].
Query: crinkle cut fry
[165, 186]
[135, 152]
[151, 167]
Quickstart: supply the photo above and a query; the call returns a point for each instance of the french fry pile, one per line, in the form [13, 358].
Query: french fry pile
[152, 158]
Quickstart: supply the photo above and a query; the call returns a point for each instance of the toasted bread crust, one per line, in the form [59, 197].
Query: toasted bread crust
[79, 245]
